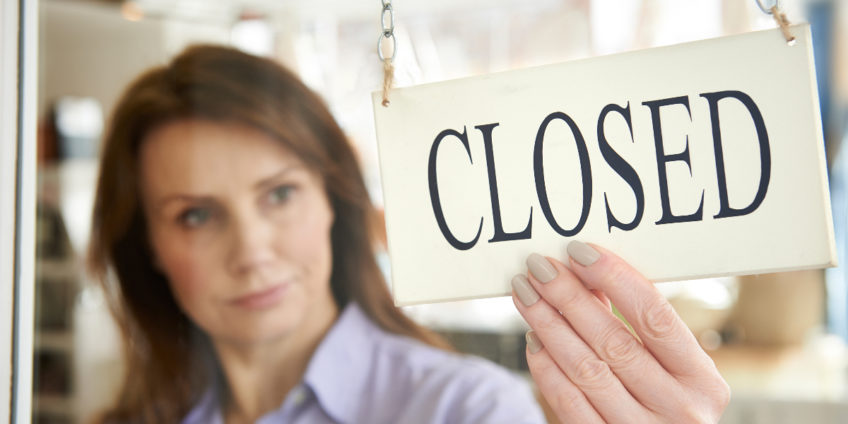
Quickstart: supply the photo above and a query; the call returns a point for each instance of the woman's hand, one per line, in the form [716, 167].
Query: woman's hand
[589, 366]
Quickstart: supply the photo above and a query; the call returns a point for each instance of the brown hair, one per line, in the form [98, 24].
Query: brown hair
[169, 360]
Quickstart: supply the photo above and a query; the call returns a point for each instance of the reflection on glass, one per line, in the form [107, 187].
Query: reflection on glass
[92, 50]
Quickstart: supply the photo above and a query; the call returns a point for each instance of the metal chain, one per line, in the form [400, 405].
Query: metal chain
[387, 20]
[387, 35]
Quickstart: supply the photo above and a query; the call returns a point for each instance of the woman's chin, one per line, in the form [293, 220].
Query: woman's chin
[268, 326]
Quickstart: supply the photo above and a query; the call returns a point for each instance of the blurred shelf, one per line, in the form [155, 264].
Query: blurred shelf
[58, 274]
[57, 270]
[61, 341]
[744, 410]
[53, 405]
[816, 371]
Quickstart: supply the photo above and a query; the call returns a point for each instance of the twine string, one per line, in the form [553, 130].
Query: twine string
[388, 80]
[783, 23]
[387, 48]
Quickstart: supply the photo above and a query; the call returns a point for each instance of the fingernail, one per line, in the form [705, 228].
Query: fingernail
[582, 253]
[524, 290]
[533, 342]
[541, 268]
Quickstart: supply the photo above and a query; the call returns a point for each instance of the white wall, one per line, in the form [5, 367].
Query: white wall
[89, 49]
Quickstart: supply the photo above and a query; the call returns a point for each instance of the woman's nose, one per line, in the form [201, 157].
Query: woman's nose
[251, 245]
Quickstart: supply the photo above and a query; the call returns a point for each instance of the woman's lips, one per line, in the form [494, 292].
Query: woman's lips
[261, 299]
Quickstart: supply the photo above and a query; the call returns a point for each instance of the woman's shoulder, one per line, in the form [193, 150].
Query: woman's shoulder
[446, 386]
[421, 362]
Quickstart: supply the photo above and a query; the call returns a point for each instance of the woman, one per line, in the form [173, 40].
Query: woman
[235, 218]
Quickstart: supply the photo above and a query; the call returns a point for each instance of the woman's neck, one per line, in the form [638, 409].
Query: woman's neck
[259, 376]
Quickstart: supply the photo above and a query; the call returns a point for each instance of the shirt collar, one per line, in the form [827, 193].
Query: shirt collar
[207, 410]
[339, 369]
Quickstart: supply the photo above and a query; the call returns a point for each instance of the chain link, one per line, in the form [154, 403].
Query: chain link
[387, 35]
[767, 9]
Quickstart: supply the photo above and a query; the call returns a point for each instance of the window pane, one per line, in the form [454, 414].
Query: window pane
[216, 206]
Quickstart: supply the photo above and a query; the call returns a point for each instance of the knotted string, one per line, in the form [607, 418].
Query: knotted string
[783, 23]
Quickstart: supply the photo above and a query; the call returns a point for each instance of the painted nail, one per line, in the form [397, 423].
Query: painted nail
[524, 290]
[541, 268]
[582, 253]
[533, 342]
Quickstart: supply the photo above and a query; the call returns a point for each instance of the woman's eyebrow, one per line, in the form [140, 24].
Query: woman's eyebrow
[273, 179]
[266, 182]
[180, 198]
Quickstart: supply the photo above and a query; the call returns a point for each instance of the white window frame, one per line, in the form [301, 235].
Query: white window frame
[18, 129]
[8, 157]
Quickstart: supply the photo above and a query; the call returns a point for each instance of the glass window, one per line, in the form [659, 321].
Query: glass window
[159, 185]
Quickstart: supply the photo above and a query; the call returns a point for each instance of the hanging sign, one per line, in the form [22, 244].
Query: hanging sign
[695, 160]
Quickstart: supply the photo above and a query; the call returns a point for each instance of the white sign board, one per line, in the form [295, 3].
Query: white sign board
[688, 161]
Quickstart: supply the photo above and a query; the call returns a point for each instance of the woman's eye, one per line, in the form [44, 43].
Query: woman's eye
[280, 194]
[194, 217]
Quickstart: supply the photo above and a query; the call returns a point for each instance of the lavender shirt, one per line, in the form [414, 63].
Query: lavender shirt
[362, 374]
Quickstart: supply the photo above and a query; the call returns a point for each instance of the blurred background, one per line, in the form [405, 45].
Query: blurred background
[779, 340]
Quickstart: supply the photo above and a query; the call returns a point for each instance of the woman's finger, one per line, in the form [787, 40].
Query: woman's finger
[567, 401]
[659, 327]
[606, 335]
[576, 360]
[603, 298]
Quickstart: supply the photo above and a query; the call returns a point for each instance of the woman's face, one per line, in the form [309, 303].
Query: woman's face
[240, 227]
